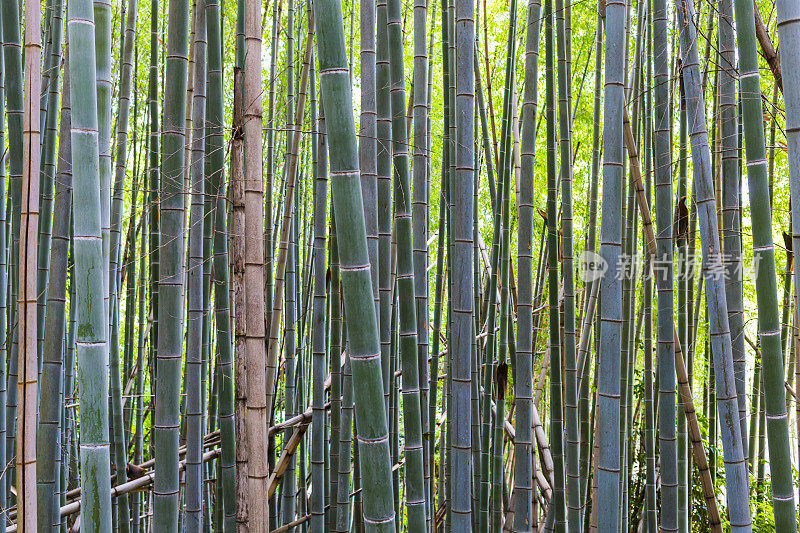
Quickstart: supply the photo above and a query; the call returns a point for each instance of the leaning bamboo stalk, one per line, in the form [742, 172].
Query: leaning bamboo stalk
[735, 462]
[371, 423]
[284, 461]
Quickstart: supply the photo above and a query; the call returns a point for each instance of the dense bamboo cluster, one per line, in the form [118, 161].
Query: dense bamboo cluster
[399, 266]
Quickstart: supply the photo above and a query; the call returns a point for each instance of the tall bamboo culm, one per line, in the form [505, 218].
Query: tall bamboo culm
[773, 374]
[92, 326]
[412, 418]
[608, 377]
[524, 473]
[662, 268]
[169, 355]
[29, 221]
[788, 22]
[372, 428]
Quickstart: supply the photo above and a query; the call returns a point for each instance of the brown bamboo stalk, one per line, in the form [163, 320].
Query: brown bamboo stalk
[256, 516]
[29, 223]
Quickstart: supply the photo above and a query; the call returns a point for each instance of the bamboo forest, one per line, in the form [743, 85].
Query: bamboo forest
[386, 266]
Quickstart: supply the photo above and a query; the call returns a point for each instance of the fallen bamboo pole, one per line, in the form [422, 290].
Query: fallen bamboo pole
[125, 488]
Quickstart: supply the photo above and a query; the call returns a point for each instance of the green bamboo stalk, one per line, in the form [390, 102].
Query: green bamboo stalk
[662, 135]
[419, 222]
[485, 500]
[436, 333]
[499, 365]
[342, 524]
[289, 480]
[788, 33]
[119, 432]
[48, 435]
[363, 338]
[154, 179]
[415, 485]
[103, 45]
[138, 443]
[170, 281]
[683, 257]
[766, 284]
[319, 353]
[269, 169]
[128, 267]
[445, 241]
[51, 82]
[92, 327]
[336, 367]
[461, 228]
[730, 203]
[591, 285]
[524, 466]
[570, 363]
[650, 507]
[556, 406]
[384, 169]
[195, 424]
[4, 277]
[222, 310]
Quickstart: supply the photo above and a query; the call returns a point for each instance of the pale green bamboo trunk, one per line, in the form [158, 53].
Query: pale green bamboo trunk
[608, 378]
[92, 325]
